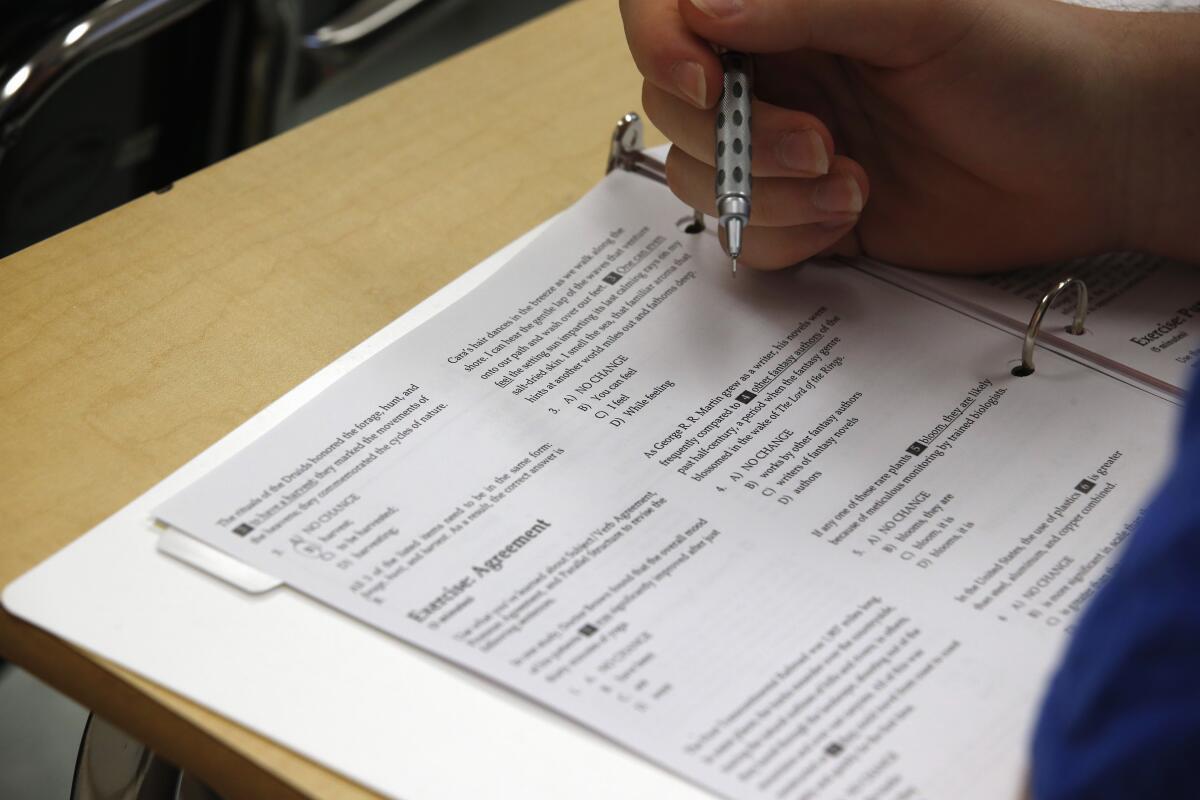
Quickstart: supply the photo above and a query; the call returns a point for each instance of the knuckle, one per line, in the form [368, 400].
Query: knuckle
[649, 99]
[655, 103]
[788, 202]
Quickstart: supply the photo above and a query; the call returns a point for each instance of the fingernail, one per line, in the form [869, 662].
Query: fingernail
[719, 8]
[689, 79]
[838, 194]
[803, 151]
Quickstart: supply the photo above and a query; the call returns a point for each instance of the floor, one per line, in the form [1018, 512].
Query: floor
[40, 729]
[39, 737]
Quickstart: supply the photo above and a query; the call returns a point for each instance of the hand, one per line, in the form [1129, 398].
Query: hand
[962, 135]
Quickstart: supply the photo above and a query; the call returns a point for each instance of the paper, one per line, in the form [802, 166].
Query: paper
[796, 535]
[1143, 311]
[251, 658]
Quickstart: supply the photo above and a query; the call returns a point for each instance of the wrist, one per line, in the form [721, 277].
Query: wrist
[1086, 100]
[1155, 126]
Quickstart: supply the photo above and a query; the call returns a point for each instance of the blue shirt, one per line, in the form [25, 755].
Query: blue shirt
[1121, 718]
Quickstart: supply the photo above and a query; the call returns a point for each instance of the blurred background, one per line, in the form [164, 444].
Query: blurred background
[101, 102]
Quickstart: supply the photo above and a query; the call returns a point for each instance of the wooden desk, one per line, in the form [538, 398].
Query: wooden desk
[134, 341]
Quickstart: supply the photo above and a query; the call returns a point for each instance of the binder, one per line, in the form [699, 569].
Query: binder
[627, 153]
[913, 404]
[245, 579]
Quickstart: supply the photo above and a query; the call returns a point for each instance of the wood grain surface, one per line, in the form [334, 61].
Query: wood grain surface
[131, 343]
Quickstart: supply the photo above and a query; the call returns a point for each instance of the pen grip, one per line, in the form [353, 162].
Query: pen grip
[733, 127]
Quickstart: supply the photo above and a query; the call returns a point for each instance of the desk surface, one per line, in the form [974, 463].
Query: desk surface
[134, 341]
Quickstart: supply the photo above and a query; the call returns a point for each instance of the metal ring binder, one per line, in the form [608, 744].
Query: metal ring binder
[626, 153]
[1035, 322]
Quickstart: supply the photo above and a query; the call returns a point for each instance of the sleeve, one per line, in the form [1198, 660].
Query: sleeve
[1121, 717]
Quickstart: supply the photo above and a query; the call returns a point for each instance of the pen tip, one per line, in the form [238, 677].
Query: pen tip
[735, 267]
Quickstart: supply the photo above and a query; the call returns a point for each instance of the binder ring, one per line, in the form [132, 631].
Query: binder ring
[626, 154]
[626, 151]
[1035, 322]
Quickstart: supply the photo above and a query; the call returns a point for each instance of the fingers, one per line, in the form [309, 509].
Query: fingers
[784, 143]
[791, 219]
[886, 33]
[775, 248]
[777, 202]
[669, 54]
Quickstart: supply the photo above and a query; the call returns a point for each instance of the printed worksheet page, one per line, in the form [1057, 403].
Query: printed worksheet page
[790, 535]
[1143, 311]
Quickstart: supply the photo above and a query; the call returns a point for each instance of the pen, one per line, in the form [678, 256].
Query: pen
[733, 151]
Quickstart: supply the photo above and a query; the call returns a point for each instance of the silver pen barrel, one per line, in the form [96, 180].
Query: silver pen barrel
[733, 150]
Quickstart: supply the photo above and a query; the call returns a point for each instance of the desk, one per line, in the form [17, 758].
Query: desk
[134, 341]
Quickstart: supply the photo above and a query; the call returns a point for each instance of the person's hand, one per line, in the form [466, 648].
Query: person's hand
[944, 134]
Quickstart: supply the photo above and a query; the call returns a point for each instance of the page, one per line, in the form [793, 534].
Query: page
[1143, 311]
[799, 534]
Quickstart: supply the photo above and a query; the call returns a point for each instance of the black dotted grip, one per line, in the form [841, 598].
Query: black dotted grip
[733, 126]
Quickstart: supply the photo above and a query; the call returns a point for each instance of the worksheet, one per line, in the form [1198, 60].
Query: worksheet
[1143, 311]
[789, 535]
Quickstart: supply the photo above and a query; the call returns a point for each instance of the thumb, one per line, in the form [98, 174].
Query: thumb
[885, 33]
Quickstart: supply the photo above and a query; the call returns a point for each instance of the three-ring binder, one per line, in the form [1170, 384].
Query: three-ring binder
[626, 153]
[1035, 322]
